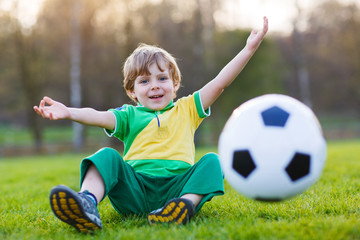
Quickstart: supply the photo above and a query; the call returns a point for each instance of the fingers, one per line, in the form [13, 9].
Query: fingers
[261, 34]
[42, 104]
[48, 100]
[41, 109]
[266, 25]
[37, 110]
[256, 37]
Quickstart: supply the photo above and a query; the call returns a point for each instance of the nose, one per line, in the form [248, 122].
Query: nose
[154, 85]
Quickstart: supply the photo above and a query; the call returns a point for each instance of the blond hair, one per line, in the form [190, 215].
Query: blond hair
[139, 62]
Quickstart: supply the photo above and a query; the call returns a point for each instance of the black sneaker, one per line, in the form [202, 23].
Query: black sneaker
[75, 209]
[177, 210]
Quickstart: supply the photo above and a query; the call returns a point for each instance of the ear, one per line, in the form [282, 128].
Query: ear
[132, 94]
[176, 86]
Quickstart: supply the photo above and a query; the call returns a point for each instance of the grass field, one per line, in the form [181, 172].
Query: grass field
[330, 209]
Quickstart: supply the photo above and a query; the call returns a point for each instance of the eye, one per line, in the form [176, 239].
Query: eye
[163, 78]
[143, 81]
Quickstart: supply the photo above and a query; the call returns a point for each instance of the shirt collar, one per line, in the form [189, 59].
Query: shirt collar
[169, 106]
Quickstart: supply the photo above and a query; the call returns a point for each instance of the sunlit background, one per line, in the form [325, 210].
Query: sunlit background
[232, 14]
[311, 53]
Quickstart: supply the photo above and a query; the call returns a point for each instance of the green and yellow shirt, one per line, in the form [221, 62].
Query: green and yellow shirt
[161, 142]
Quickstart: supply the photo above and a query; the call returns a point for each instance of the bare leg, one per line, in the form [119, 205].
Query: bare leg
[94, 183]
[195, 198]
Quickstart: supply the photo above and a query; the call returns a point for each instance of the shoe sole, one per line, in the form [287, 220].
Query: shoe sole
[175, 211]
[67, 207]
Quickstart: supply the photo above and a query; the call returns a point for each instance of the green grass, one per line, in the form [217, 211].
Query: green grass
[330, 209]
[21, 136]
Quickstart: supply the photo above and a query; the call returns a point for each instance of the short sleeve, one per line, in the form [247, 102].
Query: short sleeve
[203, 113]
[121, 125]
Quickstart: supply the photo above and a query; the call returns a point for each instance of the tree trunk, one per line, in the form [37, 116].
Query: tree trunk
[29, 85]
[75, 72]
[300, 62]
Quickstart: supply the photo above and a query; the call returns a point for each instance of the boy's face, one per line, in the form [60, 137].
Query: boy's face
[156, 90]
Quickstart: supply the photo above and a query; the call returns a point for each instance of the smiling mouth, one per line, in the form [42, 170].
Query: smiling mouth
[156, 96]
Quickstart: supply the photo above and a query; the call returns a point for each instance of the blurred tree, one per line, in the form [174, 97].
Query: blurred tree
[75, 71]
[301, 68]
[8, 100]
[27, 57]
[108, 40]
[332, 44]
[76, 41]
[111, 29]
[262, 75]
[23, 63]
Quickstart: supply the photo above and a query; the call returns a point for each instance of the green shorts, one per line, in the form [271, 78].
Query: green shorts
[132, 192]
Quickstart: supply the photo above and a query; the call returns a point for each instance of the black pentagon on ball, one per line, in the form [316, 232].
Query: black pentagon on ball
[299, 166]
[243, 162]
[275, 117]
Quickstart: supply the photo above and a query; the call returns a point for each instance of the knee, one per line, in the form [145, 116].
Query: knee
[108, 153]
[211, 159]
[104, 157]
[108, 150]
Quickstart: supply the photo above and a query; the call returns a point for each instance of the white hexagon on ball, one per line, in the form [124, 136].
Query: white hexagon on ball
[272, 148]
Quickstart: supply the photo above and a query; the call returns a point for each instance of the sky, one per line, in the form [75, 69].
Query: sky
[236, 13]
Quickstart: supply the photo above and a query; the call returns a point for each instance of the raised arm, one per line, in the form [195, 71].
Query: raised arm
[212, 90]
[87, 116]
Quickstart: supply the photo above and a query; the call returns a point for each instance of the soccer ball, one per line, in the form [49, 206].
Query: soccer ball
[272, 148]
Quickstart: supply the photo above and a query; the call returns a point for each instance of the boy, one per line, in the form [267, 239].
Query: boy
[157, 170]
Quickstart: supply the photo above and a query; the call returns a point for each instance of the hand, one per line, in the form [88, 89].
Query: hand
[54, 111]
[255, 37]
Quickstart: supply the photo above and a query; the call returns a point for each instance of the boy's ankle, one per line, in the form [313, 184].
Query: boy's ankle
[91, 196]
